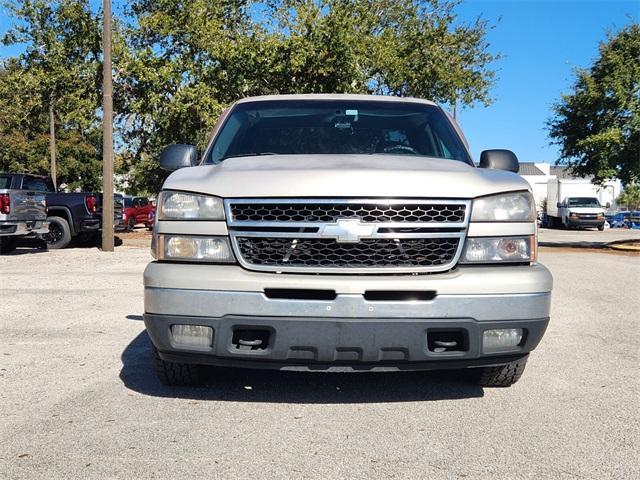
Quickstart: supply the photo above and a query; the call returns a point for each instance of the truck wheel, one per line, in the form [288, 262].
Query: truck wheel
[502, 376]
[7, 245]
[176, 374]
[59, 235]
[131, 223]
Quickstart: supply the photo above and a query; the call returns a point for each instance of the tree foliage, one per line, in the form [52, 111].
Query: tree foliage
[59, 68]
[183, 62]
[177, 67]
[598, 125]
[630, 196]
[178, 64]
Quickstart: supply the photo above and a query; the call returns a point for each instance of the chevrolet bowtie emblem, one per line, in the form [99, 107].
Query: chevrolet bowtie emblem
[349, 230]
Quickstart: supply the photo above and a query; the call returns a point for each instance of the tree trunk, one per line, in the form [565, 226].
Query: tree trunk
[52, 143]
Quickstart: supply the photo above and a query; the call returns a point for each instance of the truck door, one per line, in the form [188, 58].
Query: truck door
[142, 210]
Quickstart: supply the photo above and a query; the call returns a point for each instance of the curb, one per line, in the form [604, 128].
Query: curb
[622, 245]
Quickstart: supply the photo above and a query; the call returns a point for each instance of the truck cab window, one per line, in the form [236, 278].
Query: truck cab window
[34, 184]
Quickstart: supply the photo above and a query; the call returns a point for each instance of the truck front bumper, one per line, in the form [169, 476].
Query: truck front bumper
[23, 227]
[584, 222]
[347, 332]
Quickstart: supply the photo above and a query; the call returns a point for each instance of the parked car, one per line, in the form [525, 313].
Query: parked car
[343, 233]
[137, 210]
[23, 210]
[609, 219]
[70, 215]
[626, 220]
[619, 219]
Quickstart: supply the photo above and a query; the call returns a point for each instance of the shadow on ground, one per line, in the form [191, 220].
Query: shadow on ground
[35, 245]
[243, 385]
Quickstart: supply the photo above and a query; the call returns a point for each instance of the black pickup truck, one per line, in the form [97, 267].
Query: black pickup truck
[70, 215]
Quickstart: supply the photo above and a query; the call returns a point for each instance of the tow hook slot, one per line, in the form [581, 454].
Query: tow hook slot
[447, 341]
[250, 339]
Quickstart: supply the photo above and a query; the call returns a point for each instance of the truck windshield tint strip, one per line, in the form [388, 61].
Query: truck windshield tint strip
[314, 127]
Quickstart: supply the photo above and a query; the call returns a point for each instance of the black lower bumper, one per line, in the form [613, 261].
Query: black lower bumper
[581, 222]
[91, 225]
[326, 344]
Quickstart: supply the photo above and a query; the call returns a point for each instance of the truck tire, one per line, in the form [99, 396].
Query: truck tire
[176, 374]
[59, 235]
[131, 223]
[7, 245]
[501, 376]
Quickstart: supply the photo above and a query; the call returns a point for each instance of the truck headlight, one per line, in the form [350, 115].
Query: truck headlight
[499, 250]
[194, 249]
[189, 206]
[506, 207]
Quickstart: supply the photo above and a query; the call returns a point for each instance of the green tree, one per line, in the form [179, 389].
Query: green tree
[597, 125]
[176, 69]
[630, 196]
[181, 63]
[50, 94]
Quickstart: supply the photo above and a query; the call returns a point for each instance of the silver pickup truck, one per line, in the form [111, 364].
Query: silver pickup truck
[343, 233]
[23, 212]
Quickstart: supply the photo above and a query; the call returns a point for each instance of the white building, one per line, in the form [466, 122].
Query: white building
[539, 174]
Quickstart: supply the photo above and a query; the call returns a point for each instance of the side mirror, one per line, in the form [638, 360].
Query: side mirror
[499, 160]
[178, 156]
[608, 205]
[560, 205]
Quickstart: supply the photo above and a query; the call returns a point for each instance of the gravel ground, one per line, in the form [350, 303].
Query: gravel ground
[78, 398]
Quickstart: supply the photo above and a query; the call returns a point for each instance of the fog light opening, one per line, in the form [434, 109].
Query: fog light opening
[192, 335]
[500, 339]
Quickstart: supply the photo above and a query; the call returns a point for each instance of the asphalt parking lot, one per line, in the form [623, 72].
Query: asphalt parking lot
[78, 398]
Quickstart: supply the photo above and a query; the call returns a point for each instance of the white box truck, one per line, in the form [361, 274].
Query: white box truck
[574, 203]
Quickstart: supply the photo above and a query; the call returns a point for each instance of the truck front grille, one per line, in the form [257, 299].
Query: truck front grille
[366, 212]
[369, 253]
[347, 236]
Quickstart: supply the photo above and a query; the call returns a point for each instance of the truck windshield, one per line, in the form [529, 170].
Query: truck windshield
[5, 181]
[311, 127]
[583, 202]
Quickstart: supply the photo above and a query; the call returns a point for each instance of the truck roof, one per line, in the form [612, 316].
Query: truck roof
[336, 96]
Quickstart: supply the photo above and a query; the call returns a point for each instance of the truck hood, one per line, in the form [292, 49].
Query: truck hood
[343, 176]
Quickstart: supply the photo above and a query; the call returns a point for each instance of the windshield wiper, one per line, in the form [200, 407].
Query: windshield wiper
[247, 155]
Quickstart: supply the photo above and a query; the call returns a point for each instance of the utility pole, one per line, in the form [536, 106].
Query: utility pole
[52, 143]
[107, 137]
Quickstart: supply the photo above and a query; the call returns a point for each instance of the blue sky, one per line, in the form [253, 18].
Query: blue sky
[541, 41]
